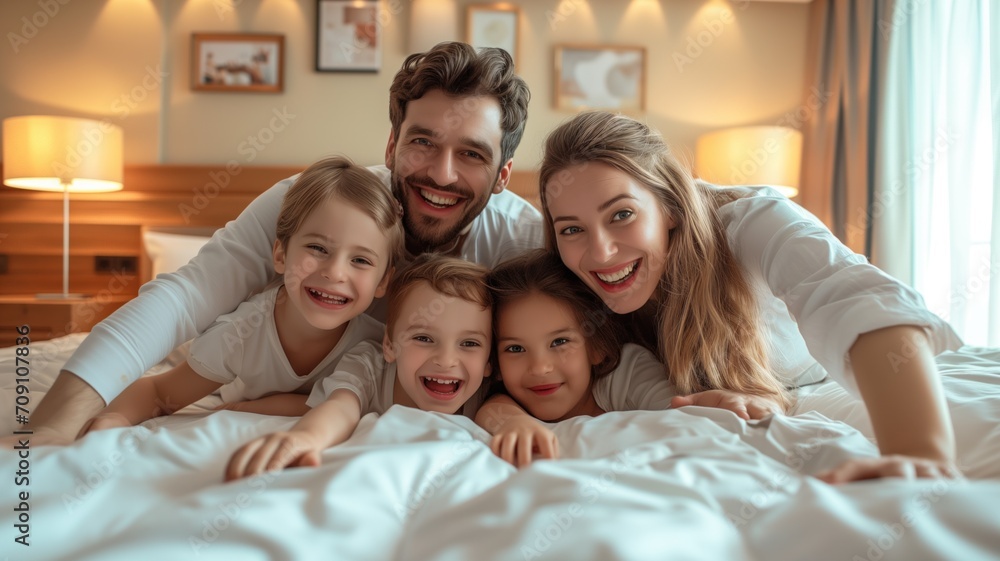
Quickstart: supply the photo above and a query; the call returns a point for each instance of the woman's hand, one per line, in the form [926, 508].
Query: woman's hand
[103, 421]
[519, 437]
[907, 467]
[274, 452]
[745, 406]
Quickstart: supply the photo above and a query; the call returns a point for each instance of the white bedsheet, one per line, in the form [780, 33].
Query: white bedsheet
[693, 483]
[971, 381]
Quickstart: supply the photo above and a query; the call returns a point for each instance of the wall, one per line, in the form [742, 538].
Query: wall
[711, 64]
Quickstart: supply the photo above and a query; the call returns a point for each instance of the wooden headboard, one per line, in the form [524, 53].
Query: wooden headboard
[110, 224]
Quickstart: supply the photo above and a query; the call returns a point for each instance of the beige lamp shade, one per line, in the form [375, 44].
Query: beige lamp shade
[751, 156]
[48, 153]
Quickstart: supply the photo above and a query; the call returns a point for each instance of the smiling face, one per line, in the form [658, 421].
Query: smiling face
[441, 346]
[612, 233]
[334, 265]
[544, 359]
[445, 165]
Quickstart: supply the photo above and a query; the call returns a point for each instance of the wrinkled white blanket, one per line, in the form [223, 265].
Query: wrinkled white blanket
[692, 483]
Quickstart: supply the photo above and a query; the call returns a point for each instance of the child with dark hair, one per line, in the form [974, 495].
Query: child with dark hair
[559, 355]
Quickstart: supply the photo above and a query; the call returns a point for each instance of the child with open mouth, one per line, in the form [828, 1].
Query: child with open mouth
[434, 356]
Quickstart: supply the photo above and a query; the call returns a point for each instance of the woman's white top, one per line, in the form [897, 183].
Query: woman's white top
[817, 296]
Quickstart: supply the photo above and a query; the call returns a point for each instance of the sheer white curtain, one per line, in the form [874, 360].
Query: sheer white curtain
[936, 199]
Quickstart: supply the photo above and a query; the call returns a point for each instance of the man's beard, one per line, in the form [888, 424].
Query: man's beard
[426, 233]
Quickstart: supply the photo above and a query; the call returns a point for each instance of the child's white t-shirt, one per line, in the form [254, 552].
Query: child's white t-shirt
[366, 374]
[242, 351]
[639, 383]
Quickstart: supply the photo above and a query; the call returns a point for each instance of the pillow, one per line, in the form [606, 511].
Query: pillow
[169, 252]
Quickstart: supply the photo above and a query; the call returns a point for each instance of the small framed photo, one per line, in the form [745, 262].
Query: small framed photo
[237, 62]
[493, 25]
[600, 77]
[348, 36]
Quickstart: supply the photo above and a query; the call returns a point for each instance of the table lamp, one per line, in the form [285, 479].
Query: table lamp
[751, 156]
[46, 153]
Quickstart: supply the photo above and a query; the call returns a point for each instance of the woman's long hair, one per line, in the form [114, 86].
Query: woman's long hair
[707, 316]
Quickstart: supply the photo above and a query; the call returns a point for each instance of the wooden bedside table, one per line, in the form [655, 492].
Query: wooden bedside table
[49, 318]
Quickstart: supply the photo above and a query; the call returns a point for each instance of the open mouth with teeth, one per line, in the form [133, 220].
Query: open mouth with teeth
[437, 200]
[441, 388]
[326, 299]
[619, 279]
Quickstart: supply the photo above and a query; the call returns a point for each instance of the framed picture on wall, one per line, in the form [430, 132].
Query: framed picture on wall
[237, 62]
[493, 25]
[600, 77]
[348, 36]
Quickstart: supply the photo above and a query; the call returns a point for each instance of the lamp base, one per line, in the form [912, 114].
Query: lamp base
[61, 296]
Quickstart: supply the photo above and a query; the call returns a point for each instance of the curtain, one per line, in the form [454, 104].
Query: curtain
[846, 58]
[934, 206]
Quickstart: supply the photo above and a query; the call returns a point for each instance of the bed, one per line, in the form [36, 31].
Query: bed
[692, 483]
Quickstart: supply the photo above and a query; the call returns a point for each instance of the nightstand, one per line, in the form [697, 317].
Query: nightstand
[49, 318]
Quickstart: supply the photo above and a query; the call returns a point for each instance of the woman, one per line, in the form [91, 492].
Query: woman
[742, 290]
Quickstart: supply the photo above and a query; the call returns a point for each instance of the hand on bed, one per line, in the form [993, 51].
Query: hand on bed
[520, 437]
[907, 467]
[273, 452]
[745, 406]
[103, 421]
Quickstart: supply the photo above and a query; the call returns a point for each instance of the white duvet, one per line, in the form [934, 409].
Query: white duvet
[692, 483]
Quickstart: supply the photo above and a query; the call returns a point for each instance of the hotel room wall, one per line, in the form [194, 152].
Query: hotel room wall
[711, 64]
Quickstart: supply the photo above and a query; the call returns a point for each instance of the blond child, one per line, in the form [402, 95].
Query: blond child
[434, 356]
[338, 233]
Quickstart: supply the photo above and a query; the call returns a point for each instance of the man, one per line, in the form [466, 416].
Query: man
[457, 116]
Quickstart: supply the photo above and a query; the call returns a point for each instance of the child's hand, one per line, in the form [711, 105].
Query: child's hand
[745, 406]
[103, 421]
[519, 437]
[273, 452]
